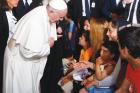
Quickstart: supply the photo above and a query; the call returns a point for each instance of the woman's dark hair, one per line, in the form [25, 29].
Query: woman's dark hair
[113, 47]
[86, 34]
[4, 5]
[115, 23]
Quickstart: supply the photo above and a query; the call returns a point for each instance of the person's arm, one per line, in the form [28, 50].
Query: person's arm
[124, 87]
[98, 71]
[31, 54]
[65, 79]
[45, 51]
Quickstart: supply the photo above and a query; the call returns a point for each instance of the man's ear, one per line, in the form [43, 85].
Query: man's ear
[124, 52]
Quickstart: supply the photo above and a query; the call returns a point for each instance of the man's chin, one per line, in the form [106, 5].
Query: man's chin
[52, 21]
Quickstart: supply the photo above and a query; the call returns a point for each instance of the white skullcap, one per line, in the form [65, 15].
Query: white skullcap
[58, 4]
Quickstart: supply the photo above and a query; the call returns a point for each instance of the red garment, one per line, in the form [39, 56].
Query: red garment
[134, 77]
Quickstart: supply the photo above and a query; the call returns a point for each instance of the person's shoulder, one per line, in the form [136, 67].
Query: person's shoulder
[36, 12]
[40, 7]
[2, 13]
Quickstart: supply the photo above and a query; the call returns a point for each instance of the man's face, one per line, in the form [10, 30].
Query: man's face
[57, 15]
[112, 32]
[126, 55]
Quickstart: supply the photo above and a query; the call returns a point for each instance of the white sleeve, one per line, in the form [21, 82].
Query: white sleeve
[53, 32]
[124, 5]
[45, 51]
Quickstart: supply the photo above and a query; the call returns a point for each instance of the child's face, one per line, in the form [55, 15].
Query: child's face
[105, 53]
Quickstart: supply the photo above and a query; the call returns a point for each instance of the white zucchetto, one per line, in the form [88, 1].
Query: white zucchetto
[58, 4]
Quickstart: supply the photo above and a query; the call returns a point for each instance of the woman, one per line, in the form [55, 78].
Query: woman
[86, 51]
[7, 22]
[97, 31]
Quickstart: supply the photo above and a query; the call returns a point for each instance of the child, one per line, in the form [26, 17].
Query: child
[66, 82]
[86, 51]
[68, 61]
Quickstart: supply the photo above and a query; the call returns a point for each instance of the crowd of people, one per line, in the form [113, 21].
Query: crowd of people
[69, 46]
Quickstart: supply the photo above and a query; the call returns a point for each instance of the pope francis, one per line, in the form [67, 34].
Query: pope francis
[26, 52]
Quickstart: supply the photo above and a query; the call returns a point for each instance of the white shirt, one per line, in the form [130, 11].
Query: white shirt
[117, 2]
[134, 20]
[28, 1]
[67, 1]
[45, 2]
[11, 21]
[83, 5]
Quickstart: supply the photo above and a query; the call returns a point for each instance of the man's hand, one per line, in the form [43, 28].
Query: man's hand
[51, 41]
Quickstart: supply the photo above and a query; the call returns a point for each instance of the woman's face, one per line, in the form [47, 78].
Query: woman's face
[112, 33]
[12, 3]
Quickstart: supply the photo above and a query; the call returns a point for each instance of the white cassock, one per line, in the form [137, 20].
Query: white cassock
[27, 51]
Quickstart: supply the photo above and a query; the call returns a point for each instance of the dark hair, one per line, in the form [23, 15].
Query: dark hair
[86, 18]
[87, 37]
[115, 23]
[67, 53]
[113, 47]
[4, 5]
[130, 37]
